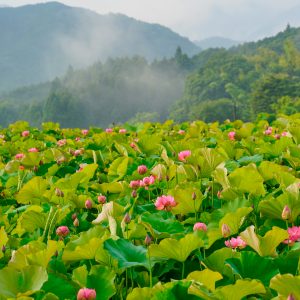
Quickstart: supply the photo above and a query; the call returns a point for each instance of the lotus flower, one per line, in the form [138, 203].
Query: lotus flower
[231, 135]
[184, 154]
[88, 204]
[134, 184]
[84, 131]
[294, 235]
[225, 230]
[108, 130]
[62, 231]
[286, 213]
[25, 133]
[142, 169]
[268, 131]
[101, 199]
[165, 203]
[19, 156]
[86, 294]
[200, 226]
[122, 131]
[181, 132]
[235, 243]
[61, 143]
[33, 150]
[147, 181]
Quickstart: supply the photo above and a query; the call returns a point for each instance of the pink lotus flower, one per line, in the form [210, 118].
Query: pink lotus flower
[200, 226]
[184, 154]
[294, 235]
[181, 132]
[122, 131]
[62, 231]
[108, 130]
[84, 131]
[219, 194]
[78, 152]
[61, 143]
[231, 135]
[88, 204]
[101, 199]
[236, 243]
[33, 150]
[277, 136]
[268, 131]
[134, 184]
[19, 156]
[165, 203]
[21, 168]
[77, 139]
[142, 169]
[284, 133]
[25, 133]
[86, 294]
[147, 181]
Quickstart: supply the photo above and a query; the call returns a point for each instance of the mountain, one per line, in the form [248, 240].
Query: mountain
[216, 42]
[39, 42]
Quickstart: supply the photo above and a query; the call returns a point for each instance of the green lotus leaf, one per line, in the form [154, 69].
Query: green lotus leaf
[50, 296]
[250, 265]
[127, 254]
[269, 169]
[184, 200]
[59, 285]
[79, 275]
[247, 180]
[33, 191]
[220, 176]
[102, 279]
[216, 261]
[118, 168]
[158, 226]
[169, 291]
[31, 219]
[112, 187]
[176, 249]
[34, 253]
[24, 282]
[286, 285]
[245, 160]
[264, 246]
[209, 159]
[235, 219]
[206, 277]
[31, 159]
[288, 262]
[3, 240]
[272, 208]
[85, 246]
[240, 289]
[150, 144]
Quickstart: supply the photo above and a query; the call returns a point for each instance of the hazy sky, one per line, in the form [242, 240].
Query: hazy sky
[198, 19]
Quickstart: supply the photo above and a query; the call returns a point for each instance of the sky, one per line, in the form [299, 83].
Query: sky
[241, 20]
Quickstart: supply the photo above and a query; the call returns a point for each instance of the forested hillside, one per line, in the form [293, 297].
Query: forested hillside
[39, 42]
[216, 84]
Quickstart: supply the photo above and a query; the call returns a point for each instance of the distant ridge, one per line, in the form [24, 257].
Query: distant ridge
[42, 40]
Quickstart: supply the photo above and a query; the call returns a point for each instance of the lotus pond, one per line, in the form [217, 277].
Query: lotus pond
[155, 211]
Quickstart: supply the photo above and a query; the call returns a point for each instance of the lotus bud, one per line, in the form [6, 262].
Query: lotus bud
[142, 169]
[76, 222]
[101, 199]
[127, 218]
[74, 216]
[62, 231]
[134, 194]
[147, 240]
[225, 231]
[59, 192]
[200, 226]
[86, 294]
[25, 133]
[194, 196]
[3, 249]
[286, 213]
[88, 204]
[291, 297]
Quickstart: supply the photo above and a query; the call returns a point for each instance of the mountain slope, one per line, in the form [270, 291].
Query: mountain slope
[216, 42]
[41, 41]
